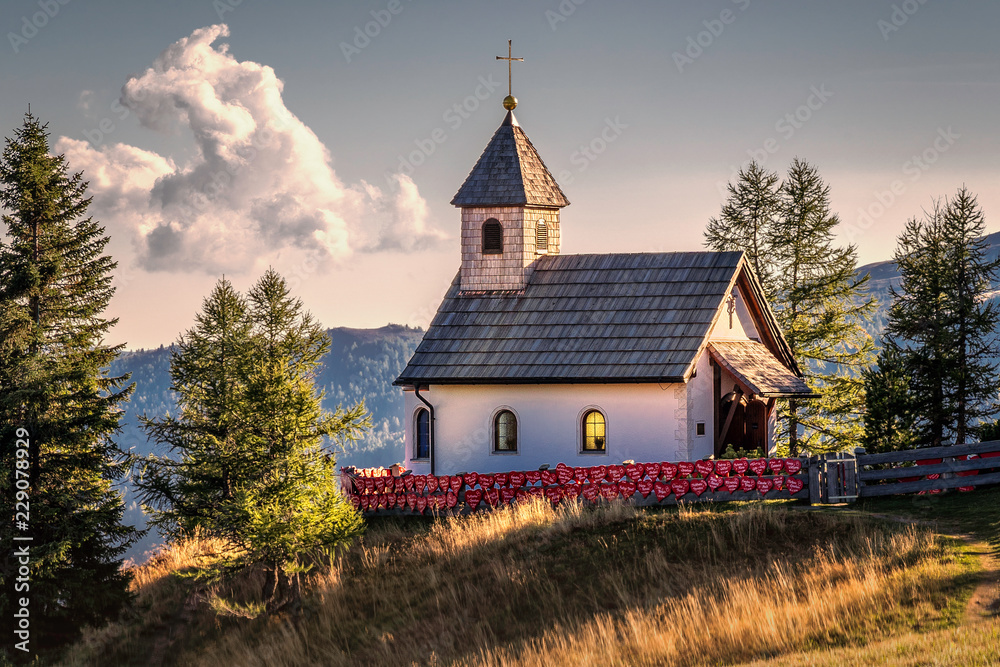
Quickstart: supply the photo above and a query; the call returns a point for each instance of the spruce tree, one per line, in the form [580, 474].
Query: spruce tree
[787, 231]
[55, 284]
[251, 415]
[889, 419]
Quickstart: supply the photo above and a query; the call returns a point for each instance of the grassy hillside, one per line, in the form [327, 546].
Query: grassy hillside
[530, 585]
[361, 365]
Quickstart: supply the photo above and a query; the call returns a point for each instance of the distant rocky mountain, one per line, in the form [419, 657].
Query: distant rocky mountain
[884, 275]
[361, 364]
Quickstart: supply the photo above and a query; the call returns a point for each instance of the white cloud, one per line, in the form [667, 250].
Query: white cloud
[260, 181]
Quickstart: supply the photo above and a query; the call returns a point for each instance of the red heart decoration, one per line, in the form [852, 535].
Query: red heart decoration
[471, 478]
[400, 485]
[758, 466]
[590, 492]
[502, 478]
[597, 473]
[456, 483]
[779, 483]
[794, 485]
[609, 491]
[553, 494]
[517, 479]
[493, 497]
[685, 468]
[432, 483]
[390, 500]
[703, 468]
[723, 467]
[775, 466]
[740, 466]
[452, 498]
[634, 472]
[561, 466]
[662, 490]
[747, 484]
[580, 475]
[421, 503]
[764, 485]
[380, 485]
[571, 490]
[793, 466]
[365, 503]
[731, 483]
[383, 500]
[485, 481]
[507, 495]
[521, 495]
[420, 483]
[473, 497]
[411, 500]
[669, 470]
[356, 501]
[652, 470]
[443, 482]
[680, 487]
[616, 472]
[408, 482]
[699, 486]
[533, 476]
[549, 477]
[366, 484]
[564, 475]
[645, 486]
[626, 488]
[713, 481]
[536, 492]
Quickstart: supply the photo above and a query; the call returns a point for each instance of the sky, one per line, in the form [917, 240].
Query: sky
[326, 139]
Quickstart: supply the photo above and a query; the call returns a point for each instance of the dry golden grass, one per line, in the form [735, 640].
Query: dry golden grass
[530, 585]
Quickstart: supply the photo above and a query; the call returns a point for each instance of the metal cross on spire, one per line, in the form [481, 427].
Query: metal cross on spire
[510, 101]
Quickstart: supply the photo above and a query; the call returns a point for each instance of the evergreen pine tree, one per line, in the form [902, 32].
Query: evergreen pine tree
[747, 222]
[55, 283]
[889, 419]
[787, 231]
[942, 322]
[251, 468]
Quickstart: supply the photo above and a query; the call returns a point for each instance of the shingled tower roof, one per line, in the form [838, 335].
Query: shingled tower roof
[510, 173]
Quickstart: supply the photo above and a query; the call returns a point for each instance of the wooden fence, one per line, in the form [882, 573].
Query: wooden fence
[930, 469]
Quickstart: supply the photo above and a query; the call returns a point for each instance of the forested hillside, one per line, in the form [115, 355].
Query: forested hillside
[361, 364]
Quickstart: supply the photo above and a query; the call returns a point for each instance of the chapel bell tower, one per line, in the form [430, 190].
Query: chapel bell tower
[510, 209]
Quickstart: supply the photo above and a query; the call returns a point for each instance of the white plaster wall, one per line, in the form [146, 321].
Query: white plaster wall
[701, 408]
[743, 326]
[642, 424]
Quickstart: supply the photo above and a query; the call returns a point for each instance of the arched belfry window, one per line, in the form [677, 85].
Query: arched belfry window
[492, 237]
[594, 432]
[505, 432]
[541, 237]
[422, 441]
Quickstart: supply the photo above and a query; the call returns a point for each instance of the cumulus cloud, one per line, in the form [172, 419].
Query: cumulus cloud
[259, 182]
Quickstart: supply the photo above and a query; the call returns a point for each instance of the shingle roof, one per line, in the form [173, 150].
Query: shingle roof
[639, 317]
[510, 173]
[754, 365]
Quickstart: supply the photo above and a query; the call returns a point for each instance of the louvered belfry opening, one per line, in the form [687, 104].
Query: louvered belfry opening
[492, 237]
[541, 236]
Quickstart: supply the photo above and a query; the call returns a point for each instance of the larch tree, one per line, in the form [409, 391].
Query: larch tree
[57, 398]
[942, 322]
[274, 495]
[787, 230]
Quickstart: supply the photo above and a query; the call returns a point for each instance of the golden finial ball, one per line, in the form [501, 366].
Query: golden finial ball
[509, 102]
